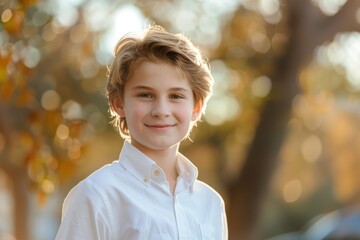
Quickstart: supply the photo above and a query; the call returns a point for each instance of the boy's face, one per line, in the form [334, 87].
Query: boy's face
[158, 106]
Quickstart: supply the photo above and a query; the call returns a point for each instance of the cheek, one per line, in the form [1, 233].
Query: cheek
[135, 110]
[185, 112]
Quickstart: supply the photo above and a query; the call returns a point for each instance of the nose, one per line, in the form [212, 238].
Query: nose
[160, 109]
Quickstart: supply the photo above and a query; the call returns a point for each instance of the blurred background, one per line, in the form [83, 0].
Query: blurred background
[280, 140]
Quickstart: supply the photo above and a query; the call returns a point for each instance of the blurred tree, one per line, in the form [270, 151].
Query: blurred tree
[306, 27]
[45, 124]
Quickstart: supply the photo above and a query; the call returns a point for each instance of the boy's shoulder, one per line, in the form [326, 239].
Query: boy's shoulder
[106, 174]
[206, 190]
[102, 178]
[99, 185]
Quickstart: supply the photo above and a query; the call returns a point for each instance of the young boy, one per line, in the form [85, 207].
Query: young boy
[158, 87]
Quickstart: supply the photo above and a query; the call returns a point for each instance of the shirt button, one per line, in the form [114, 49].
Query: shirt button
[145, 180]
[157, 172]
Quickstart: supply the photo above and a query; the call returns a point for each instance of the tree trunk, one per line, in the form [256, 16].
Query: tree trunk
[17, 175]
[246, 194]
[18, 179]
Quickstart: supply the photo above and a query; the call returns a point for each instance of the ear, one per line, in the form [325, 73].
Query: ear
[117, 106]
[196, 112]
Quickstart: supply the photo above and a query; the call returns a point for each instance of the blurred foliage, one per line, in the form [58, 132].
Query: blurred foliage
[46, 124]
[52, 105]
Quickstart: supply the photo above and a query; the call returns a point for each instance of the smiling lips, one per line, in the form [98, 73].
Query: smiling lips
[159, 126]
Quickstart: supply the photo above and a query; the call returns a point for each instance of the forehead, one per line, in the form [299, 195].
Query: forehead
[158, 74]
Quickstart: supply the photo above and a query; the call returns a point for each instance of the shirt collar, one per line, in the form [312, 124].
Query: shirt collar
[186, 170]
[142, 167]
[136, 162]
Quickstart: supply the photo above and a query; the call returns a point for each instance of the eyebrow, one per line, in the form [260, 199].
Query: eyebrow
[142, 87]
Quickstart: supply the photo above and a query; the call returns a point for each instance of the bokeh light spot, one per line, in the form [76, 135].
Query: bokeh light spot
[32, 57]
[50, 100]
[343, 51]
[260, 42]
[72, 110]
[47, 186]
[311, 148]
[269, 7]
[261, 86]
[62, 132]
[221, 109]
[292, 191]
[330, 7]
[6, 15]
[67, 15]
[89, 68]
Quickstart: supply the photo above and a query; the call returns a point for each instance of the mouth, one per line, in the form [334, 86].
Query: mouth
[159, 126]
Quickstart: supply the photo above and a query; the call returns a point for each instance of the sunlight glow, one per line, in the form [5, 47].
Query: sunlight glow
[67, 16]
[330, 7]
[223, 106]
[96, 14]
[221, 109]
[184, 20]
[126, 19]
[65, 11]
[269, 7]
[225, 78]
[343, 51]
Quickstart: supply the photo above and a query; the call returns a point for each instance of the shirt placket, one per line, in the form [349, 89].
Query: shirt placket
[181, 220]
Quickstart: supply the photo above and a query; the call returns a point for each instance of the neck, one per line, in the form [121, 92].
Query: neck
[165, 159]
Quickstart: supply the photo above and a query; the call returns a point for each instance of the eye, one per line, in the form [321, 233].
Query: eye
[145, 95]
[176, 96]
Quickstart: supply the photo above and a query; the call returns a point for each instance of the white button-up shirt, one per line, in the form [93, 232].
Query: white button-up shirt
[130, 199]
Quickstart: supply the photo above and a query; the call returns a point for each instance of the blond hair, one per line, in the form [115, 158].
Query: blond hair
[156, 45]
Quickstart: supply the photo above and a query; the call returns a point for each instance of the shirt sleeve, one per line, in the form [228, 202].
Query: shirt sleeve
[83, 215]
[224, 222]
